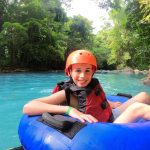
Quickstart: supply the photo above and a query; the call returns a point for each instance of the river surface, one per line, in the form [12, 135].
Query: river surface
[16, 89]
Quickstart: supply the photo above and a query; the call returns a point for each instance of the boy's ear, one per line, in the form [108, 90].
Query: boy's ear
[93, 69]
[69, 70]
[69, 74]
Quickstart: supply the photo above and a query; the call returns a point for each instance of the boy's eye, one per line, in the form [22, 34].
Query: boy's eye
[78, 70]
[88, 71]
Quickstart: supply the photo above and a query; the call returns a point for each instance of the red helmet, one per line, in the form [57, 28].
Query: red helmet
[80, 56]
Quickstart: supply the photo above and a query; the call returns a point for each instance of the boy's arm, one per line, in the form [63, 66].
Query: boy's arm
[49, 104]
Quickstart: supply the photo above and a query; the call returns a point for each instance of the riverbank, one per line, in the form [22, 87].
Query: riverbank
[144, 72]
[13, 70]
[125, 70]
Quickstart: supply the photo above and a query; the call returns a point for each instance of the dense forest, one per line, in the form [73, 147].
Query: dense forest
[37, 34]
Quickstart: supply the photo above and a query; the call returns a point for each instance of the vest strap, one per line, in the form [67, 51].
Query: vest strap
[67, 92]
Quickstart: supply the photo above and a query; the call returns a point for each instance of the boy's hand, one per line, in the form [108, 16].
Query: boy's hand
[81, 116]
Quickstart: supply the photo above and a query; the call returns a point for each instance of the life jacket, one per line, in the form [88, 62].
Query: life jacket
[91, 99]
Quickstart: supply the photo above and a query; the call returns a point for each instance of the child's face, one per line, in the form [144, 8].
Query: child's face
[81, 74]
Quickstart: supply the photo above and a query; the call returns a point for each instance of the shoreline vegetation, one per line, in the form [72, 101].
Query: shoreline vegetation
[126, 70]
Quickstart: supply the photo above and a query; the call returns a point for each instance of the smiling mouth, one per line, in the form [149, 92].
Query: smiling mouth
[82, 81]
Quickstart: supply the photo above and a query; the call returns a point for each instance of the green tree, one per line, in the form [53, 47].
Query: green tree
[139, 36]
[128, 39]
[145, 6]
[44, 40]
[3, 10]
[45, 47]
[80, 34]
[118, 36]
[13, 37]
[100, 48]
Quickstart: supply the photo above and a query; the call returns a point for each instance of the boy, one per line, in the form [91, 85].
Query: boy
[86, 98]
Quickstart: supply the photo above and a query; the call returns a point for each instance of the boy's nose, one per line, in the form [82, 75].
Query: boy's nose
[82, 74]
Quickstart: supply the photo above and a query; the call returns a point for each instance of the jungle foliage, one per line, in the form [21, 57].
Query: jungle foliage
[38, 34]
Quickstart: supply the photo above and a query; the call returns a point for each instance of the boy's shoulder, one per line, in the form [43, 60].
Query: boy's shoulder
[95, 80]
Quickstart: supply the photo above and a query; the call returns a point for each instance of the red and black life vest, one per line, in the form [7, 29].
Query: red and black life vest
[91, 99]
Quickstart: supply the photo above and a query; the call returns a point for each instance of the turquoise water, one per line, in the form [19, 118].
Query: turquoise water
[18, 88]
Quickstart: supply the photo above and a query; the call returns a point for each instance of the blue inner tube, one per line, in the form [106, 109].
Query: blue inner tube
[35, 135]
